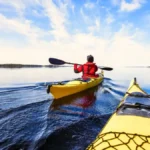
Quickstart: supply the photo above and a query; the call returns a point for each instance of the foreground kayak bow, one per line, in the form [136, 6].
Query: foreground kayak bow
[129, 126]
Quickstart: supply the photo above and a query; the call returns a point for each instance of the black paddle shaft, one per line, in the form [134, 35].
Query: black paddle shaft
[56, 61]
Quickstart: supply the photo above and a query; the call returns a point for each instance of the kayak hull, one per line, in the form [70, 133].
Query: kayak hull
[72, 87]
[124, 132]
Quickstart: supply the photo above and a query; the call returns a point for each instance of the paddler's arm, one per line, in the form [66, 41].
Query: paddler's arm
[78, 68]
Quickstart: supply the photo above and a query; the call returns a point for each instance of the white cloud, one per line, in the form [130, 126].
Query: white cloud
[110, 19]
[125, 50]
[57, 16]
[135, 4]
[19, 5]
[92, 25]
[128, 6]
[72, 8]
[89, 5]
[21, 26]
[54, 13]
[119, 49]
[37, 13]
[95, 27]
[115, 2]
[84, 16]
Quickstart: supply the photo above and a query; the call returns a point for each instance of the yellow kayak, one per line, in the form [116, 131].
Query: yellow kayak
[129, 126]
[72, 87]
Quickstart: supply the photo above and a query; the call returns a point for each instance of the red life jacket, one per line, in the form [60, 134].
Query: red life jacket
[88, 69]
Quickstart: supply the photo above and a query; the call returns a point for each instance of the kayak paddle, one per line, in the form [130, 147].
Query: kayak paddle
[56, 61]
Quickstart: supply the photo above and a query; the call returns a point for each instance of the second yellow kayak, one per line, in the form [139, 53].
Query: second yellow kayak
[72, 87]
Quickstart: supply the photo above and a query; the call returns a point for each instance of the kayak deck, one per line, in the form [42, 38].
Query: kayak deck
[72, 87]
[128, 127]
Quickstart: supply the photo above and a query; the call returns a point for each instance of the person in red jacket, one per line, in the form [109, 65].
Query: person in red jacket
[88, 69]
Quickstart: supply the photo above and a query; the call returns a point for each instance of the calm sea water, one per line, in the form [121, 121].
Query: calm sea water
[30, 119]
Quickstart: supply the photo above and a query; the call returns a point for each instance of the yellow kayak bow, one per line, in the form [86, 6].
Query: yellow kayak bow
[129, 126]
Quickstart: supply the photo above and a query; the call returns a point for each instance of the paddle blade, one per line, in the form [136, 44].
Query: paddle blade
[106, 68]
[56, 61]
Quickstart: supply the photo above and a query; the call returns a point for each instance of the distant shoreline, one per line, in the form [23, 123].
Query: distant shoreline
[137, 66]
[49, 66]
[26, 66]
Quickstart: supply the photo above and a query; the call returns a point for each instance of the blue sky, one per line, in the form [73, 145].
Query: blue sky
[114, 31]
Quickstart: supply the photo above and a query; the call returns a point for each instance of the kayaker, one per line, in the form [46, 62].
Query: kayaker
[88, 69]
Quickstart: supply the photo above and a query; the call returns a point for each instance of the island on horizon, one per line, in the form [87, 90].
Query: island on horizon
[26, 66]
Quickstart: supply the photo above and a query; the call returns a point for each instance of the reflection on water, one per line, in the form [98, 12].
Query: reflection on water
[83, 99]
[31, 119]
[75, 105]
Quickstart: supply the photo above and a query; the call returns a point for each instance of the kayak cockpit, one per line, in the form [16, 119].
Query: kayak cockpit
[137, 104]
